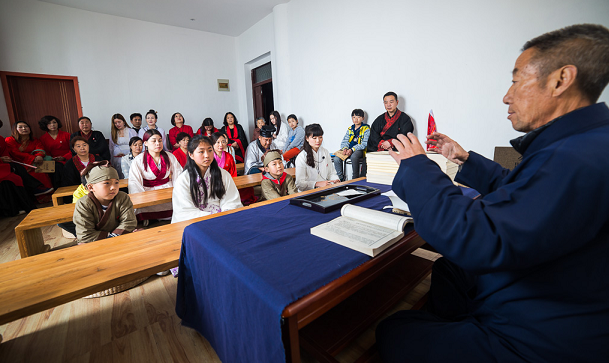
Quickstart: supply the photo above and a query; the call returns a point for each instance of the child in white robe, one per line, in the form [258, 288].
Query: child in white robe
[314, 167]
[203, 188]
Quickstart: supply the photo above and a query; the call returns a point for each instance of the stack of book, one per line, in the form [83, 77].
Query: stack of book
[382, 168]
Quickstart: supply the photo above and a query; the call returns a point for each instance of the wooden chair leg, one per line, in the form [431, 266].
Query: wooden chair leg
[31, 242]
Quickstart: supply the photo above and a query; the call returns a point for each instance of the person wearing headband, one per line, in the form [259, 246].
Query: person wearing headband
[105, 211]
[275, 182]
[257, 149]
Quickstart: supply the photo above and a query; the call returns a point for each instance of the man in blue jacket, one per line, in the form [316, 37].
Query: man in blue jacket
[525, 272]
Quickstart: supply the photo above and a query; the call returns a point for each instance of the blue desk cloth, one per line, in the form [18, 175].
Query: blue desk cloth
[238, 273]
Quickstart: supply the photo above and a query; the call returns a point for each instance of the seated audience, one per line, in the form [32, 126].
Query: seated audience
[151, 170]
[203, 188]
[225, 159]
[236, 136]
[74, 167]
[135, 148]
[389, 125]
[121, 134]
[98, 145]
[24, 148]
[260, 121]
[16, 193]
[136, 121]
[257, 149]
[280, 136]
[105, 211]
[180, 153]
[151, 119]
[296, 136]
[207, 127]
[56, 143]
[314, 167]
[275, 182]
[353, 146]
[177, 120]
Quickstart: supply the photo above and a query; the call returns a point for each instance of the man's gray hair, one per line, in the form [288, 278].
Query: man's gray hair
[586, 46]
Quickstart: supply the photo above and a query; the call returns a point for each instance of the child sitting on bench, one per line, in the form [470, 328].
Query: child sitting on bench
[105, 211]
[203, 188]
[275, 182]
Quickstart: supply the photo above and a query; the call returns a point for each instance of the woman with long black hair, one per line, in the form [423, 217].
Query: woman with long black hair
[314, 167]
[236, 136]
[203, 188]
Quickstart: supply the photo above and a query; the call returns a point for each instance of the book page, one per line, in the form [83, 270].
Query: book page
[381, 219]
[356, 231]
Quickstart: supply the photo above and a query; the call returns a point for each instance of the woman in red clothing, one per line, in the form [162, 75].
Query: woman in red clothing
[236, 135]
[207, 127]
[177, 120]
[57, 145]
[28, 150]
[224, 159]
[181, 152]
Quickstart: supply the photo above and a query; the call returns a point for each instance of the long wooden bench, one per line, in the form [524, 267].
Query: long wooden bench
[29, 233]
[69, 190]
[40, 282]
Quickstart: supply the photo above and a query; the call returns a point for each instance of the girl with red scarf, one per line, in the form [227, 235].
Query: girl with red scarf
[151, 170]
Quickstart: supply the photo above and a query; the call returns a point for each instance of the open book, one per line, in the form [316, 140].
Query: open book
[364, 230]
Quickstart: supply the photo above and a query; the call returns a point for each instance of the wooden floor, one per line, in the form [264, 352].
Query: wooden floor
[138, 325]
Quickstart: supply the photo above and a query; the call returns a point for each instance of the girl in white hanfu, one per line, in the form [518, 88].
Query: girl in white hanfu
[203, 188]
[151, 170]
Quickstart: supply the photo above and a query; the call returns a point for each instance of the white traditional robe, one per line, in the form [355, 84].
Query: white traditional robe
[137, 176]
[282, 138]
[184, 207]
[306, 176]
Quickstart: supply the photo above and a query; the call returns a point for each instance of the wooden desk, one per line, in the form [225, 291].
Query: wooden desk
[69, 190]
[29, 234]
[327, 320]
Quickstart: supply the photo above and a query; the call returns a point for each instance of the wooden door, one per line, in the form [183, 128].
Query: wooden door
[32, 96]
[262, 88]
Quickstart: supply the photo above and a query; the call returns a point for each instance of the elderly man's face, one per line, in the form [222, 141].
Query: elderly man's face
[530, 102]
[265, 141]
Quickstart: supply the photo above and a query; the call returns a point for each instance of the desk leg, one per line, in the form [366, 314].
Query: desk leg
[291, 342]
[30, 242]
[57, 200]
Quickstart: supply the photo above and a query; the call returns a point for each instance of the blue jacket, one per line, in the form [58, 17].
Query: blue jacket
[537, 239]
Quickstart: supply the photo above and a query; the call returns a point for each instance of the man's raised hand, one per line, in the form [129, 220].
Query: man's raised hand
[448, 147]
[407, 147]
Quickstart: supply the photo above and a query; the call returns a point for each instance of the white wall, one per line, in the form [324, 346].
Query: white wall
[453, 57]
[254, 48]
[122, 65]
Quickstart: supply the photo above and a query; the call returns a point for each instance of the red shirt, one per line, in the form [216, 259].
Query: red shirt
[179, 154]
[57, 147]
[174, 131]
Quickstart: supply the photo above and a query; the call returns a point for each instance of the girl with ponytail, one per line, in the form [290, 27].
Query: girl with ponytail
[203, 188]
[153, 169]
[314, 167]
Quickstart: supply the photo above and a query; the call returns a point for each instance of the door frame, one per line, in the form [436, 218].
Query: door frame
[7, 96]
[254, 85]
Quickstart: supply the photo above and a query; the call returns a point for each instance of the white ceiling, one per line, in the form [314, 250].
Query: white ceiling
[228, 17]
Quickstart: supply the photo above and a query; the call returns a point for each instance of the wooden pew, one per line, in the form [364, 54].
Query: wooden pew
[29, 233]
[40, 282]
[69, 190]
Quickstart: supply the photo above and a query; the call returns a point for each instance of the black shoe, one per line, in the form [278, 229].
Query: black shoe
[42, 191]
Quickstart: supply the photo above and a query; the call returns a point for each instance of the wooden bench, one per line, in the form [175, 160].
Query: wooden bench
[40, 282]
[29, 232]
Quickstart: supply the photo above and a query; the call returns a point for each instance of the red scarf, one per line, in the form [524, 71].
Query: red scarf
[389, 121]
[88, 136]
[78, 163]
[149, 161]
[235, 138]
